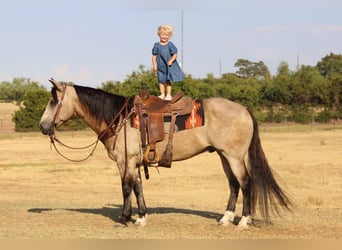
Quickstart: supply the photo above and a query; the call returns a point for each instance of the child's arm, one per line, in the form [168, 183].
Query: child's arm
[154, 62]
[173, 58]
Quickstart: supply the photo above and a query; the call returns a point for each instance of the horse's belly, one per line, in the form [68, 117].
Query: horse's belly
[186, 144]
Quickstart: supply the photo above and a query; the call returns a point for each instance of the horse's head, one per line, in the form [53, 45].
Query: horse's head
[59, 108]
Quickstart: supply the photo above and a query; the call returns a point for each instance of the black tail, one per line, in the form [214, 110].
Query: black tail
[265, 189]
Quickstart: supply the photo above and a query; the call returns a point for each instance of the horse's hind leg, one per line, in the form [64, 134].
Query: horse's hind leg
[240, 172]
[234, 186]
[238, 178]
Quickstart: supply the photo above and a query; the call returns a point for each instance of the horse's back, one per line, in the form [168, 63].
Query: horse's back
[226, 113]
[228, 128]
[229, 124]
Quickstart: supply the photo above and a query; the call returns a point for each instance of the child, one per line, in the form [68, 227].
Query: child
[164, 55]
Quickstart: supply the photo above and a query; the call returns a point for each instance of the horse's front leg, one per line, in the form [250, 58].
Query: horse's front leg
[132, 181]
[138, 191]
[127, 204]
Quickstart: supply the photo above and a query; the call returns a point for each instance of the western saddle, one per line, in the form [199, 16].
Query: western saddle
[151, 111]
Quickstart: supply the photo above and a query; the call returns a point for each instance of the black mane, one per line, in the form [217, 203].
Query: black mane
[103, 105]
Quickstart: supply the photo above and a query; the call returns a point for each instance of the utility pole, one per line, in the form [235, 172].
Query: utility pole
[182, 39]
[220, 66]
[298, 65]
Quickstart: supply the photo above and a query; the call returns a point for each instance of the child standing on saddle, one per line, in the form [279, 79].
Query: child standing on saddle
[164, 60]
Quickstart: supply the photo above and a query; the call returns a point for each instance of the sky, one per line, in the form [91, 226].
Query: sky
[89, 42]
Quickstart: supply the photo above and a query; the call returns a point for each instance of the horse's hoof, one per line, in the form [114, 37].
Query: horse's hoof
[141, 221]
[227, 219]
[121, 222]
[225, 223]
[120, 225]
[243, 224]
[242, 227]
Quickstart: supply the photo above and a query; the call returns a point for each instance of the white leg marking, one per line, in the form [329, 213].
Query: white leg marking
[227, 219]
[141, 221]
[245, 220]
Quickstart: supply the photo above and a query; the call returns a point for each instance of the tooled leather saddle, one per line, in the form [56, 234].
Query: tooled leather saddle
[151, 111]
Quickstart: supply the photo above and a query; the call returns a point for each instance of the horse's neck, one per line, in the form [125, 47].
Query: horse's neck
[87, 108]
[91, 121]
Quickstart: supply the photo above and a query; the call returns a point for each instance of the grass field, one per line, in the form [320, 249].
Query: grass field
[43, 196]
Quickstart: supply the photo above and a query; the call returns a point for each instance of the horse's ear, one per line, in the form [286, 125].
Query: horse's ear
[55, 83]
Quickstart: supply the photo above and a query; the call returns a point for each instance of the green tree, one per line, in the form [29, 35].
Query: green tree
[132, 85]
[278, 89]
[188, 86]
[6, 92]
[247, 95]
[114, 87]
[329, 64]
[15, 90]
[252, 69]
[28, 116]
[223, 90]
[308, 86]
[330, 67]
[231, 79]
[335, 93]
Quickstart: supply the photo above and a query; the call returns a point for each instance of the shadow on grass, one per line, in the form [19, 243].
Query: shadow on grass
[113, 212]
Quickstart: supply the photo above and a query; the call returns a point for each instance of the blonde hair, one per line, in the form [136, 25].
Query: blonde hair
[165, 28]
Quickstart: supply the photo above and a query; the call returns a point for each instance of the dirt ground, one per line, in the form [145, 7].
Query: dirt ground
[43, 196]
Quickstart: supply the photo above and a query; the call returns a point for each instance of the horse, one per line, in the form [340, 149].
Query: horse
[230, 130]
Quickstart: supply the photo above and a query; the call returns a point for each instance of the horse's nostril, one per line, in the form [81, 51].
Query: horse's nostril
[44, 129]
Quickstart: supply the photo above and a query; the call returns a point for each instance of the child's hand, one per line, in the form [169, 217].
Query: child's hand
[169, 63]
[155, 69]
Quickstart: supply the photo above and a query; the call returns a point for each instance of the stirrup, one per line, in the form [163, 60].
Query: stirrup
[151, 156]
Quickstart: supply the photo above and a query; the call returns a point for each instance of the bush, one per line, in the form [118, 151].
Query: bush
[301, 114]
[75, 123]
[260, 116]
[325, 116]
[276, 117]
[28, 116]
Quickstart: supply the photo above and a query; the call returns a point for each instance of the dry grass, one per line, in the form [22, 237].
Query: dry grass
[6, 112]
[45, 196]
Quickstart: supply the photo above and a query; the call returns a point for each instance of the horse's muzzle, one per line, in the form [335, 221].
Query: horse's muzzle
[47, 128]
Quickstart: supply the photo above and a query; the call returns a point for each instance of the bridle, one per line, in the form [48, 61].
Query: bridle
[54, 139]
[59, 106]
[111, 130]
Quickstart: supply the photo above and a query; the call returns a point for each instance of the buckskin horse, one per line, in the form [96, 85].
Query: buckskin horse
[230, 130]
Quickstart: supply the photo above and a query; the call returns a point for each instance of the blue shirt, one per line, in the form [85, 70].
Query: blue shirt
[167, 73]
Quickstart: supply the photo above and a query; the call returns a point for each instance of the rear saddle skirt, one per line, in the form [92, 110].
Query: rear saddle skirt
[151, 112]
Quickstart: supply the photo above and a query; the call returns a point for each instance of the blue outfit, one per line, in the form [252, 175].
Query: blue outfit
[167, 73]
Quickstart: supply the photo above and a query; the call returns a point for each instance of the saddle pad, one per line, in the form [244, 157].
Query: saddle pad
[192, 120]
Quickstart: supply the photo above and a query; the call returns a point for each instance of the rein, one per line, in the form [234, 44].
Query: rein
[53, 139]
